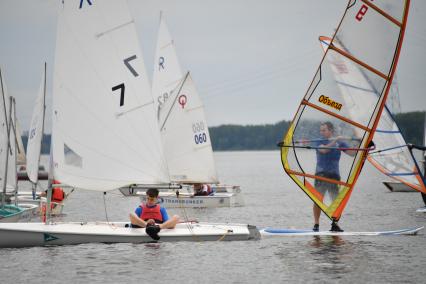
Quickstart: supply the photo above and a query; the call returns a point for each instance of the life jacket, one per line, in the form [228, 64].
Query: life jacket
[151, 213]
[57, 192]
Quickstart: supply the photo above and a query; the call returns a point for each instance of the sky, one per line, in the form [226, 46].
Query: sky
[251, 60]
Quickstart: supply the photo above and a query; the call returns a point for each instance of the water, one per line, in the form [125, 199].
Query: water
[272, 199]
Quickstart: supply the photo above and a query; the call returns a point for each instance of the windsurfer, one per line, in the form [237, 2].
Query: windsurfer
[328, 167]
[152, 216]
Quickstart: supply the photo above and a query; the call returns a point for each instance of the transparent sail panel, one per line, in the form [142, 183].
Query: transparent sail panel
[371, 38]
[322, 153]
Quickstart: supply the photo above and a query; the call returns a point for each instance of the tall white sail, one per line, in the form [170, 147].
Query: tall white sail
[35, 135]
[105, 132]
[7, 146]
[181, 117]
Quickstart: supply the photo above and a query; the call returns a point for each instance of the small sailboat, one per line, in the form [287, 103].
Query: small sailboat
[343, 109]
[391, 156]
[35, 138]
[184, 134]
[104, 129]
[400, 183]
[8, 154]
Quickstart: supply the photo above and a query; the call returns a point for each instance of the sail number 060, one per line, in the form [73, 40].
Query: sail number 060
[198, 127]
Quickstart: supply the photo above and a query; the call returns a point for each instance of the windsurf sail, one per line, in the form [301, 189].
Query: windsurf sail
[329, 138]
[180, 112]
[391, 155]
[104, 128]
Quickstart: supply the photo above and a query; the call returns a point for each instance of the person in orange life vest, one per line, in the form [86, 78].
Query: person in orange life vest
[152, 216]
[58, 194]
[202, 189]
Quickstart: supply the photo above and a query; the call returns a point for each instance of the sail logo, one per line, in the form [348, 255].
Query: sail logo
[182, 101]
[160, 63]
[362, 11]
[327, 101]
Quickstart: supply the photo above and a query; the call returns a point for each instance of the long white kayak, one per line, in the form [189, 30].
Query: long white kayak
[271, 232]
[40, 234]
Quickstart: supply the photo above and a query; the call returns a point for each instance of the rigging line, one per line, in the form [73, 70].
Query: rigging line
[174, 102]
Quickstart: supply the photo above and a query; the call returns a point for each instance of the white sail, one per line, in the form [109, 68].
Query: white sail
[105, 133]
[7, 147]
[35, 135]
[181, 117]
[21, 159]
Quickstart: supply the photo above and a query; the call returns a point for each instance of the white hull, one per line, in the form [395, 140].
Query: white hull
[219, 199]
[20, 213]
[398, 186]
[27, 199]
[40, 234]
[270, 232]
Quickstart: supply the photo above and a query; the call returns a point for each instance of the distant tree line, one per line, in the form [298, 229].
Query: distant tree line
[266, 137]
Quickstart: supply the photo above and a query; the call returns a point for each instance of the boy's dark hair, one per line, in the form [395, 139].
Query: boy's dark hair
[329, 125]
[152, 192]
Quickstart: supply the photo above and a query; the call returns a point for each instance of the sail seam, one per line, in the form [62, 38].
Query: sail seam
[113, 29]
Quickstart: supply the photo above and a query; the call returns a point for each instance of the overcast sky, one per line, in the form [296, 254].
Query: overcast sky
[251, 60]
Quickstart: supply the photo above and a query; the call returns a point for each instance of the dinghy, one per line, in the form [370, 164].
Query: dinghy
[104, 128]
[184, 133]
[8, 155]
[346, 97]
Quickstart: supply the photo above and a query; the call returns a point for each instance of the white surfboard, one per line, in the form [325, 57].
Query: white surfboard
[276, 232]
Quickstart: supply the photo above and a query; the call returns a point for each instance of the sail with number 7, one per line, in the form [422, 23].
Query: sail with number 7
[331, 134]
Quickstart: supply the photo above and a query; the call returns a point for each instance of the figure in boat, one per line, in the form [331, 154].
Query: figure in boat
[152, 216]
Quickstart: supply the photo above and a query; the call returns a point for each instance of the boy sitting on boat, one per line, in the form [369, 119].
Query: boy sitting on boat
[152, 216]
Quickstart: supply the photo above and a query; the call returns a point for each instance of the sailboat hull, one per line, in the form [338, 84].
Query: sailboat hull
[40, 234]
[219, 199]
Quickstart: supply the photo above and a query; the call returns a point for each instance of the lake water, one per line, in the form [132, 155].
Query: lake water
[272, 199]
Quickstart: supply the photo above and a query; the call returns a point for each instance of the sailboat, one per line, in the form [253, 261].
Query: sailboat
[184, 134]
[354, 114]
[8, 153]
[35, 137]
[391, 156]
[105, 132]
